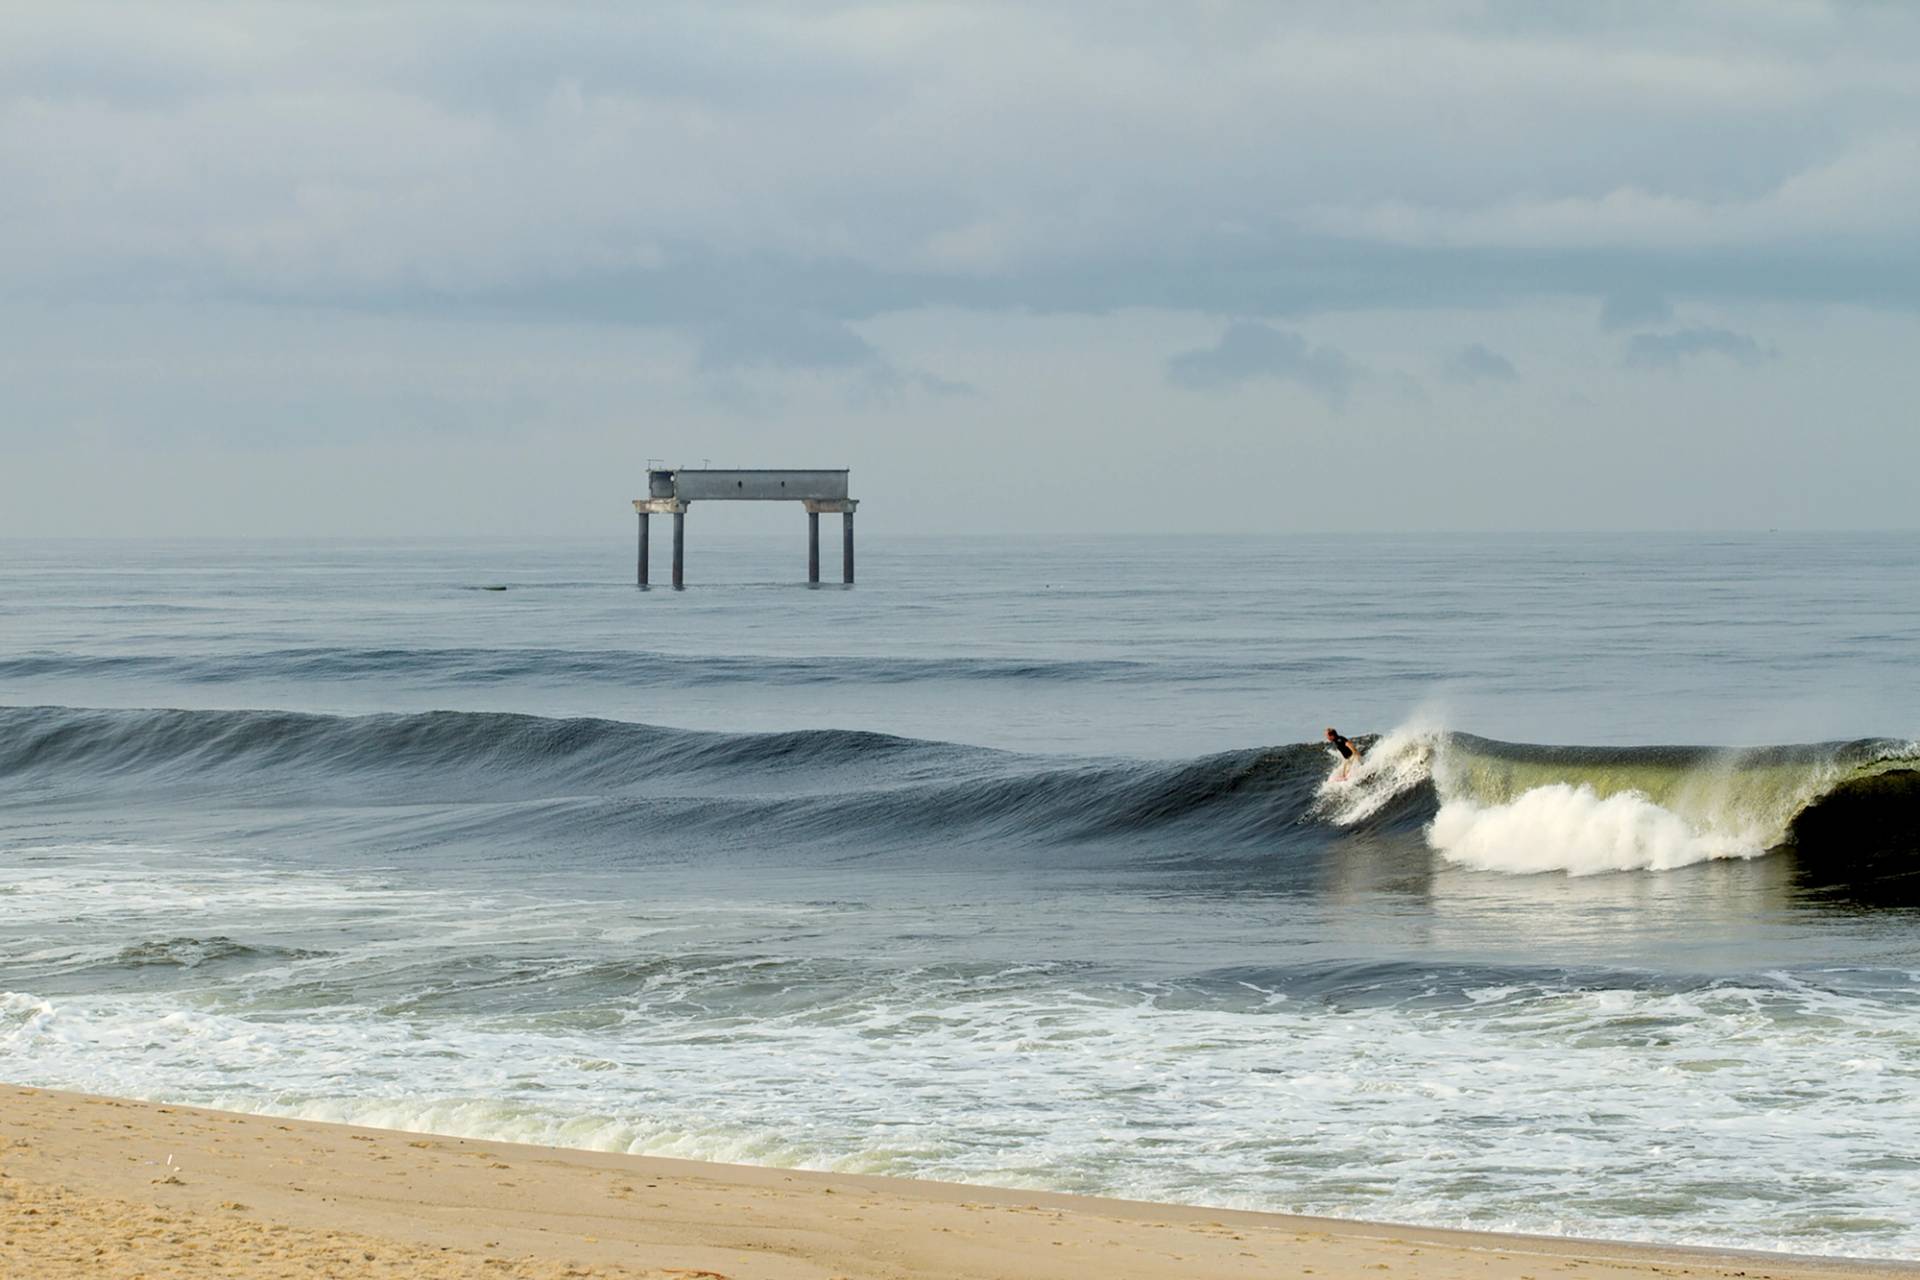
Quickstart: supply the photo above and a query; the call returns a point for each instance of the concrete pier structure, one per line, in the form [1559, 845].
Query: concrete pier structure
[671, 491]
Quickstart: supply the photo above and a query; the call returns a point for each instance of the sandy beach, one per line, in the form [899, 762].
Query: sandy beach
[100, 1187]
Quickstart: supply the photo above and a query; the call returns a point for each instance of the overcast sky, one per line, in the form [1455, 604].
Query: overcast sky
[464, 268]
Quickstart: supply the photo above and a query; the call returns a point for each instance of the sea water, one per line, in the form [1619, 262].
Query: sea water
[1014, 864]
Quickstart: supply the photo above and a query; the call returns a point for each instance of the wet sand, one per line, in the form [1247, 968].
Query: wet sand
[100, 1187]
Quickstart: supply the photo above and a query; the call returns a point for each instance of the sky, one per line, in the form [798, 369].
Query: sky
[353, 269]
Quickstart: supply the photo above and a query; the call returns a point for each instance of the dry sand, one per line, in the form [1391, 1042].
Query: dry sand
[86, 1189]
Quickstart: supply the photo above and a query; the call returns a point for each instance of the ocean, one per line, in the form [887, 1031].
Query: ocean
[1019, 863]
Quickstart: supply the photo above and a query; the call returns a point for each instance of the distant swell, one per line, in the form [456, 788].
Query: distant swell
[469, 667]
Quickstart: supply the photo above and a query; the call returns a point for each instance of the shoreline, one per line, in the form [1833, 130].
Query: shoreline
[94, 1186]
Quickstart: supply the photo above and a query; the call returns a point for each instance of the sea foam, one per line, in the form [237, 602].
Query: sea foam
[1559, 827]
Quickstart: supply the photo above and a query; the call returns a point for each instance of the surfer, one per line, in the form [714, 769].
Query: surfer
[1349, 754]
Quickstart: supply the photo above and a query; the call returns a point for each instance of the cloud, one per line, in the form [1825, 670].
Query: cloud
[1667, 350]
[849, 160]
[1477, 363]
[784, 340]
[775, 341]
[1866, 193]
[1634, 308]
[1250, 349]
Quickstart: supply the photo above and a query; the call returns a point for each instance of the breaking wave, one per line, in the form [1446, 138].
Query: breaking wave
[1525, 808]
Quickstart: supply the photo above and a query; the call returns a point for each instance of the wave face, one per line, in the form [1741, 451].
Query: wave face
[1488, 805]
[527, 755]
[582, 777]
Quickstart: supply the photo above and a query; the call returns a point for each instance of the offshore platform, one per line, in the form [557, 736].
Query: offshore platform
[671, 490]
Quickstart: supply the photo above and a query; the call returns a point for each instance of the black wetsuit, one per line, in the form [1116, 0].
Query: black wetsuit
[1344, 747]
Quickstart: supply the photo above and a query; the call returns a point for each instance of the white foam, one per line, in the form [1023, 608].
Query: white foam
[1528, 1105]
[1280, 1106]
[1401, 760]
[1573, 829]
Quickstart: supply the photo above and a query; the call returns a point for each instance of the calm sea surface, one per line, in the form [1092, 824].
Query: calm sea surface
[1011, 864]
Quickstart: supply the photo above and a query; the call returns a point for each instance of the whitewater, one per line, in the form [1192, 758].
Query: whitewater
[1519, 808]
[1020, 863]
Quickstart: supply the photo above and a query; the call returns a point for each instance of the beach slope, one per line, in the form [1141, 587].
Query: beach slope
[101, 1187]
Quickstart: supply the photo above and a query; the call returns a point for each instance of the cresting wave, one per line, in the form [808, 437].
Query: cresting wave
[1525, 808]
[1490, 805]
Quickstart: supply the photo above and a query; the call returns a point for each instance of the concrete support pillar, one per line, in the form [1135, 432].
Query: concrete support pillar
[846, 547]
[641, 578]
[679, 549]
[813, 548]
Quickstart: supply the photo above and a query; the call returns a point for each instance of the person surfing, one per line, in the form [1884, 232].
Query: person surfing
[1349, 753]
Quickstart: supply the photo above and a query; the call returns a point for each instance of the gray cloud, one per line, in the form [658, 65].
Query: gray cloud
[1477, 363]
[784, 340]
[1667, 350]
[1249, 350]
[855, 159]
[1634, 309]
[761, 341]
